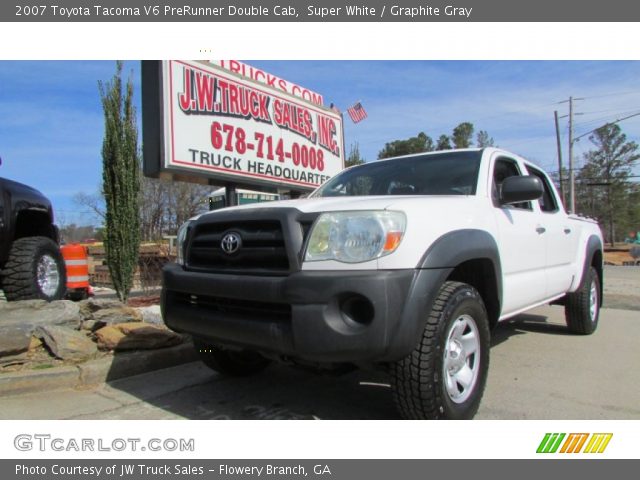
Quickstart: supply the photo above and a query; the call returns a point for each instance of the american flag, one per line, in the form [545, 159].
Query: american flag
[357, 112]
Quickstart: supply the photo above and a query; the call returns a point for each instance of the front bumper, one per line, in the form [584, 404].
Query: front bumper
[334, 316]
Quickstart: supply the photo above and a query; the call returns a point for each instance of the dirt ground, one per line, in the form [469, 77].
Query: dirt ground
[620, 254]
[622, 287]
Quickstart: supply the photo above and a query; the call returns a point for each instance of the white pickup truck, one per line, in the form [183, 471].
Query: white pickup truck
[405, 263]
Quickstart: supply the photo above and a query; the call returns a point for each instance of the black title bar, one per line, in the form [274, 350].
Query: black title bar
[319, 11]
[141, 469]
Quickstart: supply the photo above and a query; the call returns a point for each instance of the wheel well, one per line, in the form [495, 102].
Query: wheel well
[33, 224]
[596, 262]
[480, 274]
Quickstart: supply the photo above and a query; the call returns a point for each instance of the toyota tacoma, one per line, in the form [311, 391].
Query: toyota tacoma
[404, 264]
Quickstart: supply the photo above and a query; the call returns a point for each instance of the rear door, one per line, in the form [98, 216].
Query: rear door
[561, 238]
[521, 242]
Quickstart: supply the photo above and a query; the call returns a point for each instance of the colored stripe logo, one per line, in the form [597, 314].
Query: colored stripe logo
[574, 443]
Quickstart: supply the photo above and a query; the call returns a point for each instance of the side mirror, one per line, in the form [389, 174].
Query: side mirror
[518, 189]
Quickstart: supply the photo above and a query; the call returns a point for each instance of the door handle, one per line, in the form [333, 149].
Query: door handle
[541, 230]
[567, 231]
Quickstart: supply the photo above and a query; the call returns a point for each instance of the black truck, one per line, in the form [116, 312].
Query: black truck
[31, 265]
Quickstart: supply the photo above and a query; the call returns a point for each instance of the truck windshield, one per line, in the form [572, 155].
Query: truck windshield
[447, 173]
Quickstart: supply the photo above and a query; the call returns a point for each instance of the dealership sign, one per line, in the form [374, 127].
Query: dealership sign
[203, 121]
[267, 78]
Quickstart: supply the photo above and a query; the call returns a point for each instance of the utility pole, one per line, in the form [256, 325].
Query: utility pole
[560, 178]
[572, 176]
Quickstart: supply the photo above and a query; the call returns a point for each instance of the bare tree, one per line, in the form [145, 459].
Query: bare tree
[184, 201]
[153, 205]
[164, 205]
[92, 201]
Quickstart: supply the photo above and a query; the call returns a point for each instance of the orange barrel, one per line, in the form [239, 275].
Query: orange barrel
[77, 265]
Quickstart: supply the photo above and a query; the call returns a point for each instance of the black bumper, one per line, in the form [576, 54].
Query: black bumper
[333, 316]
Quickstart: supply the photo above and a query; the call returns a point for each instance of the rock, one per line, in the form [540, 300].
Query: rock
[14, 339]
[23, 304]
[34, 343]
[39, 312]
[91, 325]
[19, 320]
[151, 314]
[62, 312]
[109, 337]
[67, 344]
[13, 360]
[88, 307]
[135, 336]
[111, 316]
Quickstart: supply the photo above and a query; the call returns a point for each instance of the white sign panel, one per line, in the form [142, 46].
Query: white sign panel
[222, 126]
[269, 79]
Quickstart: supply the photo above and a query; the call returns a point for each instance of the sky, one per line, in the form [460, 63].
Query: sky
[51, 123]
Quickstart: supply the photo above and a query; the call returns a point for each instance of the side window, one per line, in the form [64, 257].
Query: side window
[548, 200]
[398, 187]
[503, 169]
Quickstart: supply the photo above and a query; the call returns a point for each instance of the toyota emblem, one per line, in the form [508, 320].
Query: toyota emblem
[231, 243]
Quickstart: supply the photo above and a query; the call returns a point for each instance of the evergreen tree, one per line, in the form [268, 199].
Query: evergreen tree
[484, 140]
[462, 135]
[603, 189]
[444, 142]
[418, 144]
[121, 181]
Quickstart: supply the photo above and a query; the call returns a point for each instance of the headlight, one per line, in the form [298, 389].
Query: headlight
[180, 242]
[354, 237]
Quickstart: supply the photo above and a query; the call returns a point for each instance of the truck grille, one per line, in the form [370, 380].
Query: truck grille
[262, 249]
[247, 309]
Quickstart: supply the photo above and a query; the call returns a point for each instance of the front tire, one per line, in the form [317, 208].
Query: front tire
[35, 270]
[445, 375]
[230, 362]
[582, 307]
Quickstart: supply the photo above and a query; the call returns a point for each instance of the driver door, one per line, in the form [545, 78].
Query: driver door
[521, 242]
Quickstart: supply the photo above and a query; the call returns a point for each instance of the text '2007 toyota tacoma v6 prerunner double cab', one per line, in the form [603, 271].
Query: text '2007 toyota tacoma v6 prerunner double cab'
[404, 263]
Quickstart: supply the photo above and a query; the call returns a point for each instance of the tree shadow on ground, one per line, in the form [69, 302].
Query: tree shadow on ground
[192, 391]
[280, 392]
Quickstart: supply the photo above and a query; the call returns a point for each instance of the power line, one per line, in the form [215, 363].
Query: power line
[608, 123]
[606, 117]
[613, 94]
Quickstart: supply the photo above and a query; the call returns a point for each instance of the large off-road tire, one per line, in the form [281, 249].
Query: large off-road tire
[582, 307]
[445, 375]
[230, 362]
[35, 270]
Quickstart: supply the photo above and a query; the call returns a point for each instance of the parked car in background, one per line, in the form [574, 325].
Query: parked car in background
[31, 265]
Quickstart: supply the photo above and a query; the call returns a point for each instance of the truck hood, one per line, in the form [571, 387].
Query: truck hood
[25, 195]
[332, 204]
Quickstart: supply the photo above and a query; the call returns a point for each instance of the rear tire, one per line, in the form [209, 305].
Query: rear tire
[444, 377]
[35, 270]
[582, 307]
[230, 362]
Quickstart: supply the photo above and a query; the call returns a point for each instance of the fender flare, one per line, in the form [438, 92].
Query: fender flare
[433, 269]
[594, 245]
[459, 246]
